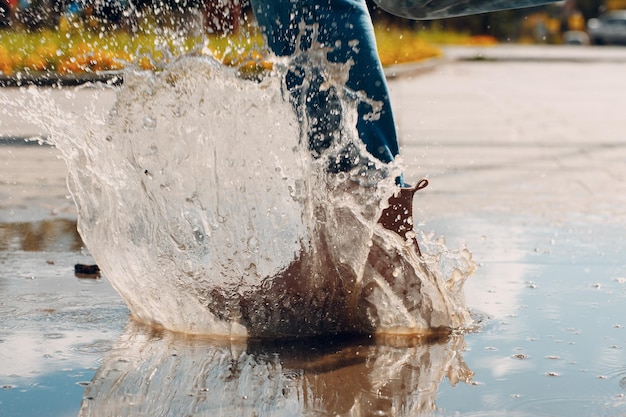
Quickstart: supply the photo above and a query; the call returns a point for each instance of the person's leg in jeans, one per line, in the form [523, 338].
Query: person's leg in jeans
[304, 29]
[345, 27]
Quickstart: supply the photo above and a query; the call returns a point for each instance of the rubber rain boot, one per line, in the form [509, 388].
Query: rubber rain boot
[398, 216]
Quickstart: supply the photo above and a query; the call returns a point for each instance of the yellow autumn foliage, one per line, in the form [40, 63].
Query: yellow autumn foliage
[6, 61]
[75, 49]
[399, 46]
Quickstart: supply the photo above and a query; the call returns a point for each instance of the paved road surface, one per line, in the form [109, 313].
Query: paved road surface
[535, 137]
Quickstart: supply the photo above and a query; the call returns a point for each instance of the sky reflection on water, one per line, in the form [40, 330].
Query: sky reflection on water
[551, 342]
[554, 340]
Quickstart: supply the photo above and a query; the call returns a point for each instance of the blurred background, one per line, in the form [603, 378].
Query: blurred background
[77, 36]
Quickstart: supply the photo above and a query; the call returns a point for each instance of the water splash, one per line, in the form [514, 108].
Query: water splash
[198, 197]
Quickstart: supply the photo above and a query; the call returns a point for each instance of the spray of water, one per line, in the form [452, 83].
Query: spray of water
[199, 197]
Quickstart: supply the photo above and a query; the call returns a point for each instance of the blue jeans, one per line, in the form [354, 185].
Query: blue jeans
[344, 26]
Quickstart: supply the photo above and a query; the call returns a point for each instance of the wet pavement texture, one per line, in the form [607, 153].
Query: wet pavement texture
[524, 149]
[526, 162]
[531, 138]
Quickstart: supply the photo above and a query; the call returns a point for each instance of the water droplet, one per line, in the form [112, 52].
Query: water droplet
[253, 244]
[198, 235]
[149, 123]
[152, 150]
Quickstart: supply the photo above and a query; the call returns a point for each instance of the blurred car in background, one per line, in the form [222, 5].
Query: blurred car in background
[576, 37]
[608, 28]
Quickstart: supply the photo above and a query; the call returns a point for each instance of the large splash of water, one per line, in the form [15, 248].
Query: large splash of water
[203, 206]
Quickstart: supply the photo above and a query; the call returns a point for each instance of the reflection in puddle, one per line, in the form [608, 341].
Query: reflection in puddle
[42, 236]
[165, 374]
[57, 332]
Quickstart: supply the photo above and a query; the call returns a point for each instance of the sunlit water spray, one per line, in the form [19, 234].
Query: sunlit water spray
[202, 205]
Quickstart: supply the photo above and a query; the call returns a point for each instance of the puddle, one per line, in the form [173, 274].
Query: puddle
[551, 341]
[49, 235]
[150, 374]
[54, 329]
